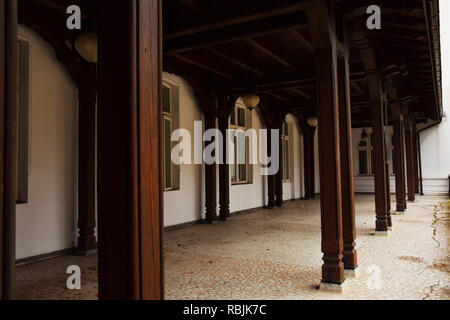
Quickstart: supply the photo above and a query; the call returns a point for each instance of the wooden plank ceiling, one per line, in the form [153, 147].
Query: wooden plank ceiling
[227, 44]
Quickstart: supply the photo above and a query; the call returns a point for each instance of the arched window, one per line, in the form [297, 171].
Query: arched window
[286, 151]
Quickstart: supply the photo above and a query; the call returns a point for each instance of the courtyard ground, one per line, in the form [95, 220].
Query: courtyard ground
[275, 254]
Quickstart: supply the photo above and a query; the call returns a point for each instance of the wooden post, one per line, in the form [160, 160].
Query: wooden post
[380, 159]
[130, 212]
[87, 92]
[346, 146]
[210, 178]
[308, 161]
[226, 104]
[399, 156]
[415, 157]
[320, 14]
[377, 113]
[409, 156]
[270, 178]
[279, 176]
[387, 148]
[8, 146]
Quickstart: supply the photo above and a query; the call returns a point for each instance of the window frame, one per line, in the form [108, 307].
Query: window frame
[168, 116]
[236, 167]
[286, 152]
[369, 150]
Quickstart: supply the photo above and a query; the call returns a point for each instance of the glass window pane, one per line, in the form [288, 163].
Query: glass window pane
[241, 117]
[167, 99]
[242, 172]
[233, 166]
[363, 166]
[363, 143]
[167, 153]
[233, 117]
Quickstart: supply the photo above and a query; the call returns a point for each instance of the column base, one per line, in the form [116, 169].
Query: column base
[86, 253]
[332, 287]
[209, 222]
[399, 213]
[351, 273]
[381, 233]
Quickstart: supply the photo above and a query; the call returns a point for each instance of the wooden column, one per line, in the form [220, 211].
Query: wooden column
[308, 161]
[8, 146]
[346, 153]
[226, 104]
[210, 178]
[387, 148]
[224, 176]
[130, 212]
[270, 178]
[379, 157]
[399, 157]
[279, 176]
[409, 156]
[87, 92]
[320, 14]
[377, 114]
[415, 158]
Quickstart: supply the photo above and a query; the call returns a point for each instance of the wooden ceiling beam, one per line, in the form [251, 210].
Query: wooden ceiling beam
[235, 61]
[239, 15]
[303, 41]
[271, 55]
[203, 66]
[301, 93]
[235, 33]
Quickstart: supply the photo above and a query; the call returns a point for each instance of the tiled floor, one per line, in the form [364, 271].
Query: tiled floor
[275, 254]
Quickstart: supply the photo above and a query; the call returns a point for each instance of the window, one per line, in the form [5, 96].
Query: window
[365, 154]
[23, 58]
[285, 151]
[170, 123]
[239, 146]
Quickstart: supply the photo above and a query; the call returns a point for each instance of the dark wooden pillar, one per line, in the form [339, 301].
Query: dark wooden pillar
[378, 128]
[130, 212]
[399, 157]
[415, 157]
[320, 14]
[308, 161]
[210, 178]
[379, 157]
[346, 153]
[87, 92]
[8, 146]
[387, 149]
[409, 156]
[224, 176]
[279, 176]
[270, 178]
[226, 104]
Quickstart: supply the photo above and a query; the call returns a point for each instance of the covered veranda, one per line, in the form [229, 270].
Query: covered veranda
[308, 58]
[276, 255]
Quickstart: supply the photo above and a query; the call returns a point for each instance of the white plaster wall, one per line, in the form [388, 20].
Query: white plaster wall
[434, 144]
[291, 189]
[186, 204]
[48, 222]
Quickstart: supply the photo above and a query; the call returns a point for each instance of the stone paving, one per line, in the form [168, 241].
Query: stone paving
[275, 254]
